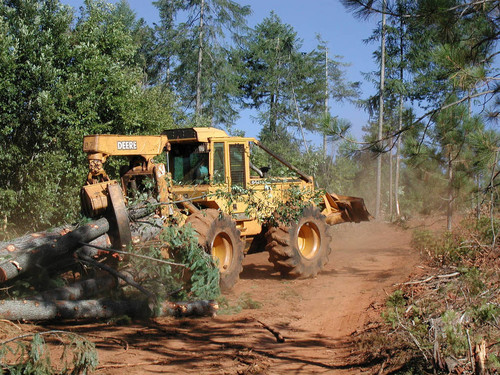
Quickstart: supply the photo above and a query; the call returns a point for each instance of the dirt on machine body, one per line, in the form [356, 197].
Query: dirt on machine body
[194, 173]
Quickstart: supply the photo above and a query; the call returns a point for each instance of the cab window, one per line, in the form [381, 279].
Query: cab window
[219, 163]
[237, 164]
[189, 163]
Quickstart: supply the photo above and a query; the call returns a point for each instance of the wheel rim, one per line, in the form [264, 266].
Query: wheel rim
[222, 249]
[308, 240]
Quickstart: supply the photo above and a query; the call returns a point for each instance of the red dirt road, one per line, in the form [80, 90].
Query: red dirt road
[315, 316]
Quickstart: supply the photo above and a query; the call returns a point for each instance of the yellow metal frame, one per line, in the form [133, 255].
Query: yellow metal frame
[99, 147]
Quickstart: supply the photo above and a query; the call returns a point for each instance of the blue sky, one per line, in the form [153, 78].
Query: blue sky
[340, 29]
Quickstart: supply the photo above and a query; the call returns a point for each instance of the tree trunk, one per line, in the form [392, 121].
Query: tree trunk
[200, 61]
[326, 101]
[97, 309]
[398, 157]
[272, 115]
[79, 290]
[53, 249]
[49, 250]
[492, 201]
[391, 186]
[400, 119]
[31, 241]
[45, 310]
[381, 116]
[449, 214]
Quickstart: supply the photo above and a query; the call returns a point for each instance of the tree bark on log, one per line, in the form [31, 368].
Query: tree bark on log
[96, 309]
[32, 241]
[193, 308]
[79, 290]
[49, 310]
[36, 256]
[146, 229]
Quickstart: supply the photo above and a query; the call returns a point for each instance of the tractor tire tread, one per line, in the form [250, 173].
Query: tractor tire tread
[283, 249]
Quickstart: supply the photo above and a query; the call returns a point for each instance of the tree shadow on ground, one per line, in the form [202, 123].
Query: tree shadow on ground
[206, 344]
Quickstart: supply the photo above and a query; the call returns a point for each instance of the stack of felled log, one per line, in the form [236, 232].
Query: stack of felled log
[63, 248]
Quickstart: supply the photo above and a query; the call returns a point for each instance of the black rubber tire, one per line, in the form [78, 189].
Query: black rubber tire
[211, 226]
[285, 251]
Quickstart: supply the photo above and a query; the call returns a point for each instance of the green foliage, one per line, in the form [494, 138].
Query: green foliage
[295, 200]
[204, 273]
[244, 302]
[485, 313]
[472, 279]
[179, 40]
[395, 308]
[62, 78]
[456, 339]
[274, 205]
[486, 228]
[450, 315]
[194, 275]
[84, 359]
[287, 86]
[30, 284]
[494, 361]
[79, 356]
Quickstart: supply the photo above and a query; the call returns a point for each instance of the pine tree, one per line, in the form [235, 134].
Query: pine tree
[193, 55]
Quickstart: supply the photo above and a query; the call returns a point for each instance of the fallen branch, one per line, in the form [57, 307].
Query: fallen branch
[381, 370]
[430, 278]
[119, 341]
[471, 354]
[279, 337]
[31, 334]
[123, 365]
[133, 254]
[11, 323]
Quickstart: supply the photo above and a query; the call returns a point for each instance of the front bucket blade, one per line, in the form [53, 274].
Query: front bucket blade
[347, 209]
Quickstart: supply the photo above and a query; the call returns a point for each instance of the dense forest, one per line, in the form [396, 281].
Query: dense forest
[431, 145]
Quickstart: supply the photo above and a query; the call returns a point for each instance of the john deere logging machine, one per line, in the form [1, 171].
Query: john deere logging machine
[189, 169]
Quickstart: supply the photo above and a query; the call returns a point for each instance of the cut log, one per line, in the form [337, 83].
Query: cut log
[9, 249]
[80, 290]
[96, 309]
[37, 256]
[29, 242]
[193, 308]
[86, 233]
[146, 229]
[45, 310]
[102, 242]
[125, 277]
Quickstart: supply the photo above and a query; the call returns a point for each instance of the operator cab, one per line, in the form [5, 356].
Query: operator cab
[189, 163]
[207, 156]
